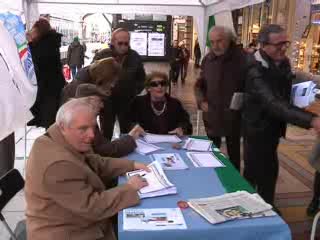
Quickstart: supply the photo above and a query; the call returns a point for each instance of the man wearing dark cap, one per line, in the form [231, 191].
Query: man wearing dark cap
[101, 145]
[129, 85]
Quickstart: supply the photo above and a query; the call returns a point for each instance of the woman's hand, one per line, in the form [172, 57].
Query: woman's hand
[178, 131]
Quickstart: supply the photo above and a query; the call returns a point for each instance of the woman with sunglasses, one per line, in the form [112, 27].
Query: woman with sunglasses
[157, 112]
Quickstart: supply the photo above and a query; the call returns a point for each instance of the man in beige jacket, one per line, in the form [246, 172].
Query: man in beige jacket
[66, 184]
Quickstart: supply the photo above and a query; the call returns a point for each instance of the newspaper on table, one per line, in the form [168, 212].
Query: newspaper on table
[145, 148]
[157, 138]
[231, 206]
[153, 219]
[204, 159]
[170, 161]
[303, 94]
[158, 183]
[200, 145]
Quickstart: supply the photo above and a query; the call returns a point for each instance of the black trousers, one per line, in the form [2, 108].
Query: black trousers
[7, 154]
[316, 187]
[112, 111]
[175, 72]
[184, 71]
[197, 61]
[233, 148]
[261, 164]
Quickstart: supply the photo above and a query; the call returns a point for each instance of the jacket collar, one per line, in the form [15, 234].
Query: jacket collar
[56, 135]
[259, 58]
[267, 62]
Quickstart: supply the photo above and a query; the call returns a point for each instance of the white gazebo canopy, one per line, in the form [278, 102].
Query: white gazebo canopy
[199, 9]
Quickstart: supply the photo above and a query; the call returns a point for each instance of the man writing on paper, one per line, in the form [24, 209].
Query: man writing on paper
[222, 75]
[65, 189]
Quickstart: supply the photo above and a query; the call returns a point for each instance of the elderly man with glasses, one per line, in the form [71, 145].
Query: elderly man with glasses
[267, 110]
[129, 85]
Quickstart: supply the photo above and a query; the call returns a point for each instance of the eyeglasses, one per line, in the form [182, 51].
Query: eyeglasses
[123, 43]
[280, 44]
[157, 83]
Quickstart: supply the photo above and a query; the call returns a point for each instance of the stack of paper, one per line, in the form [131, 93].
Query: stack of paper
[204, 159]
[158, 183]
[156, 138]
[145, 148]
[231, 206]
[170, 161]
[153, 219]
[303, 94]
[200, 145]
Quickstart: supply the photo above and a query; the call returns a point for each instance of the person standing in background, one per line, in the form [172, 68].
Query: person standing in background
[75, 58]
[44, 43]
[222, 76]
[175, 62]
[197, 54]
[184, 62]
[129, 85]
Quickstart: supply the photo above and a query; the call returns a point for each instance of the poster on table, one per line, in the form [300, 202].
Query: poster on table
[156, 44]
[138, 42]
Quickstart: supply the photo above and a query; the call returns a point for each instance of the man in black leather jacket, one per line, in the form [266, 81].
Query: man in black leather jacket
[129, 85]
[267, 110]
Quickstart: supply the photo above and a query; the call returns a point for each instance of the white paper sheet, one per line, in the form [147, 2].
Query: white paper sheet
[145, 148]
[158, 183]
[202, 159]
[153, 219]
[199, 145]
[303, 94]
[170, 161]
[157, 138]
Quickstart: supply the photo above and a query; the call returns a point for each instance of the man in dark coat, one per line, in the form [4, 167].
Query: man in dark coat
[75, 57]
[197, 54]
[175, 62]
[222, 75]
[267, 110]
[130, 84]
[45, 49]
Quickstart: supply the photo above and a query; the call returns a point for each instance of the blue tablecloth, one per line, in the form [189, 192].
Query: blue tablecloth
[198, 183]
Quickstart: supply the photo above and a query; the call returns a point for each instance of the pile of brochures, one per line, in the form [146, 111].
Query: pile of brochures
[200, 145]
[158, 138]
[158, 183]
[231, 206]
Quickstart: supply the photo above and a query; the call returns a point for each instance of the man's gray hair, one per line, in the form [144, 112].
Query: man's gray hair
[263, 36]
[226, 30]
[66, 112]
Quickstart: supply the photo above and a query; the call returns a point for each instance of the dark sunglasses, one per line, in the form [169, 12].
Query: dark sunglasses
[281, 44]
[157, 83]
[123, 43]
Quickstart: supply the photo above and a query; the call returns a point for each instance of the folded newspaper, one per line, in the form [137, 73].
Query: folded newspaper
[158, 183]
[231, 206]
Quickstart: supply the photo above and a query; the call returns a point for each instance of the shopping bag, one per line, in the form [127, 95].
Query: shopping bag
[66, 72]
